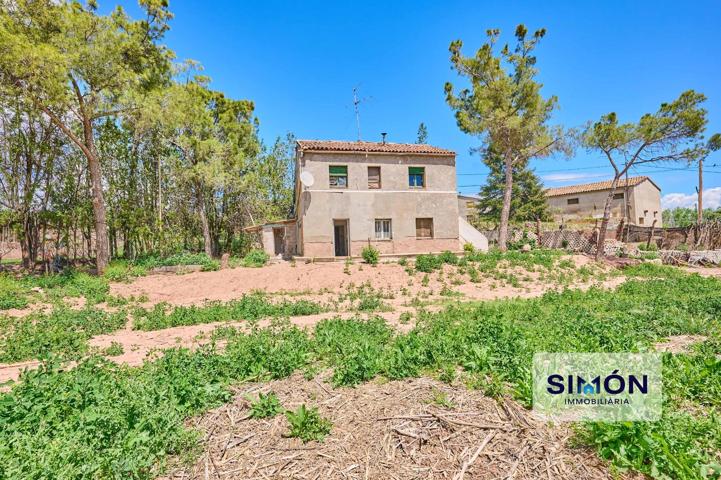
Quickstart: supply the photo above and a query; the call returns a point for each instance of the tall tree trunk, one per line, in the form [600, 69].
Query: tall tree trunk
[600, 243]
[102, 255]
[207, 240]
[506, 209]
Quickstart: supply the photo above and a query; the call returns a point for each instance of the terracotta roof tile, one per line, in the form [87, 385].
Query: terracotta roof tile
[372, 147]
[596, 186]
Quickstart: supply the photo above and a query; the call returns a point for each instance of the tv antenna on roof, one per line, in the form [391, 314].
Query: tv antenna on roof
[357, 101]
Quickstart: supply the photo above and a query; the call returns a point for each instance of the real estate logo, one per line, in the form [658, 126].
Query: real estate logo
[597, 386]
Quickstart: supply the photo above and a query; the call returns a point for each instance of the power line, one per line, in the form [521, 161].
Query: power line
[607, 166]
[639, 173]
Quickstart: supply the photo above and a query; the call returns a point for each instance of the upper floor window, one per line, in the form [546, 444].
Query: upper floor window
[416, 177]
[618, 196]
[573, 201]
[374, 177]
[338, 176]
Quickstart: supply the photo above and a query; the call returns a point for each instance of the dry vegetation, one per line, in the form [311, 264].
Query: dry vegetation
[419, 428]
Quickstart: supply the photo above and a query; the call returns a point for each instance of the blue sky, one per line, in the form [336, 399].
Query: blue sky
[299, 61]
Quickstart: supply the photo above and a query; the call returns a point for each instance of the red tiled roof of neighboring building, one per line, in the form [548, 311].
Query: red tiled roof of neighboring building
[372, 147]
[596, 186]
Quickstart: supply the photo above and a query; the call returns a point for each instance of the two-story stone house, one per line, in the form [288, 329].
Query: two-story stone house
[400, 198]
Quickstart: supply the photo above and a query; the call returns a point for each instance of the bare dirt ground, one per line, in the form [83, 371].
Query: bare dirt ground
[394, 430]
[679, 343]
[321, 280]
[705, 271]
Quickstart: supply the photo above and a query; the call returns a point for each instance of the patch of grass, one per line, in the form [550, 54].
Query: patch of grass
[440, 399]
[177, 259]
[307, 424]
[70, 283]
[124, 271]
[114, 350]
[63, 332]
[12, 294]
[249, 307]
[265, 406]
[365, 298]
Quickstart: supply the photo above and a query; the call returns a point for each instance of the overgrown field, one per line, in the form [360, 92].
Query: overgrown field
[101, 420]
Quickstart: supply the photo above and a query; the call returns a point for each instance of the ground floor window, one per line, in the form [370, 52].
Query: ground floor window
[424, 228]
[383, 229]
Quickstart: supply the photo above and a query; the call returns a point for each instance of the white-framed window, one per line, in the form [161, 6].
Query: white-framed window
[383, 229]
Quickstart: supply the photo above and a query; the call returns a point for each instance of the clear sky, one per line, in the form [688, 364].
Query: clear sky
[299, 61]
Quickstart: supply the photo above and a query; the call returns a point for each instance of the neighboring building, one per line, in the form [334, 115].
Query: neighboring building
[587, 201]
[468, 206]
[400, 198]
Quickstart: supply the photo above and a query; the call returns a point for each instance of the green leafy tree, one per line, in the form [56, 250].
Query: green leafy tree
[30, 150]
[673, 133]
[685, 216]
[422, 134]
[504, 106]
[215, 148]
[273, 177]
[77, 67]
[528, 198]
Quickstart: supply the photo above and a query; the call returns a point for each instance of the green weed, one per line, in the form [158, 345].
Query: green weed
[265, 406]
[307, 424]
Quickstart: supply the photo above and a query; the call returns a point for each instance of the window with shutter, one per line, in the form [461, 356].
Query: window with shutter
[416, 177]
[374, 177]
[424, 228]
[338, 176]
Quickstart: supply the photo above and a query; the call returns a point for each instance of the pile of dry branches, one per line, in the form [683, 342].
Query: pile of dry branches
[411, 429]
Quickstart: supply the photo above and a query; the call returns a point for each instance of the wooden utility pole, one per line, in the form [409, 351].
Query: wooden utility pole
[699, 190]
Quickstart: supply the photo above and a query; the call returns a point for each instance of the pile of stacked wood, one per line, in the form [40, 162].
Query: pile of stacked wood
[701, 258]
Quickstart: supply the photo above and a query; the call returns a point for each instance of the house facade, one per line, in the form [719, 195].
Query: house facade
[468, 206]
[399, 198]
[640, 197]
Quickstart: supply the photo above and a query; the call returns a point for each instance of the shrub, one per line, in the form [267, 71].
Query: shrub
[448, 257]
[370, 255]
[307, 424]
[468, 247]
[427, 263]
[266, 406]
[255, 258]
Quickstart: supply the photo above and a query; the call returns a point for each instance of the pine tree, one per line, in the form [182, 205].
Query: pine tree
[528, 199]
[422, 133]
